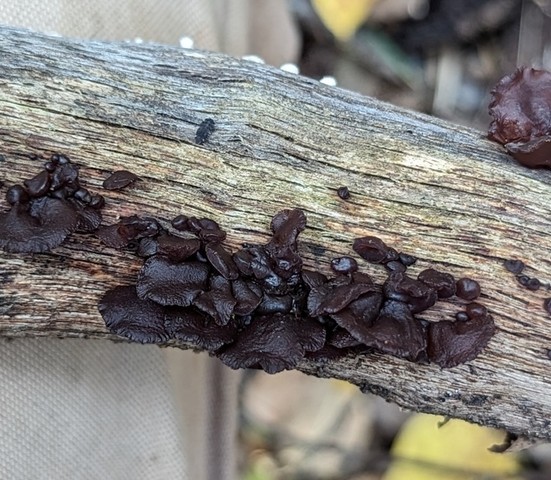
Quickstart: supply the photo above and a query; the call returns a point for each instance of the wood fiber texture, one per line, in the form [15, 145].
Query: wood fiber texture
[435, 190]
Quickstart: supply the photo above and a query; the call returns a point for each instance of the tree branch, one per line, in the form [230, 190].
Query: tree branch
[432, 189]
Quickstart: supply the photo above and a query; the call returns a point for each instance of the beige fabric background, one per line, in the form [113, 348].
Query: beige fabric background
[90, 409]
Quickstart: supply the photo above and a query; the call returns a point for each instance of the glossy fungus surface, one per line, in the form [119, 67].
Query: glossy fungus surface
[128, 315]
[46, 209]
[467, 289]
[453, 343]
[372, 249]
[520, 108]
[443, 283]
[259, 308]
[119, 180]
[256, 307]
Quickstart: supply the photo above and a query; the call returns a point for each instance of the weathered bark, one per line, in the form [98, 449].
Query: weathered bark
[432, 189]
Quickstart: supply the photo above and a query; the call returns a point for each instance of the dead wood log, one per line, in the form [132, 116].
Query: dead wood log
[432, 189]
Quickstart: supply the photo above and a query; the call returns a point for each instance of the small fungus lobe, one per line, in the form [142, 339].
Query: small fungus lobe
[514, 266]
[547, 305]
[467, 289]
[372, 249]
[127, 315]
[344, 265]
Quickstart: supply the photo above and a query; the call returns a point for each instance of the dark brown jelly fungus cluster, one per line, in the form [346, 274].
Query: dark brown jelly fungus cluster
[47, 208]
[520, 109]
[259, 308]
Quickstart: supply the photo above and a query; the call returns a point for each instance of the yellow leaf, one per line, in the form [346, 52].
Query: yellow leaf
[456, 451]
[343, 17]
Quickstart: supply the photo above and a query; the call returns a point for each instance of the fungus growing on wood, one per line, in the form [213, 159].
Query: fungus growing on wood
[257, 307]
[264, 310]
[443, 283]
[467, 289]
[38, 226]
[171, 283]
[46, 209]
[520, 108]
[128, 315]
[274, 343]
[453, 343]
[190, 325]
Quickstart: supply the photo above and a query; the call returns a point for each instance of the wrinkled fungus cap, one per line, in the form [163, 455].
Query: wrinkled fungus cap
[38, 227]
[453, 343]
[127, 315]
[192, 326]
[521, 112]
[169, 283]
[275, 343]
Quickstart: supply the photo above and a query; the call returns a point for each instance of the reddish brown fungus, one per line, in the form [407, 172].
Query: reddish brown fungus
[467, 289]
[37, 227]
[372, 249]
[520, 108]
[17, 194]
[221, 260]
[175, 248]
[417, 295]
[258, 308]
[443, 283]
[453, 343]
[218, 301]
[46, 210]
[344, 265]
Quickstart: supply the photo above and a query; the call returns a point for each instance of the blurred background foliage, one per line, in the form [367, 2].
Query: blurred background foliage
[441, 57]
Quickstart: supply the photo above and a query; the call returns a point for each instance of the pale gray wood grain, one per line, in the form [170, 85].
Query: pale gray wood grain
[432, 189]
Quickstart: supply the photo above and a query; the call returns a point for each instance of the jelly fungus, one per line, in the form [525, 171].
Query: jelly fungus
[520, 109]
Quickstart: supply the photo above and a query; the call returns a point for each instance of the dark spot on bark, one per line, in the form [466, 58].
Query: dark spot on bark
[343, 193]
[119, 180]
[204, 131]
